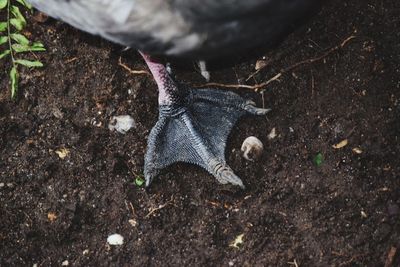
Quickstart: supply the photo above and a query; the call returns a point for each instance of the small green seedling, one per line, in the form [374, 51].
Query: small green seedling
[139, 181]
[13, 43]
[318, 159]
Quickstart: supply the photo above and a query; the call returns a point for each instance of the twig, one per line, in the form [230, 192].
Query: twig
[254, 87]
[276, 77]
[131, 71]
[351, 260]
[152, 210]
[294, 262]
[312, 84]
[132, 209]
[71, 60]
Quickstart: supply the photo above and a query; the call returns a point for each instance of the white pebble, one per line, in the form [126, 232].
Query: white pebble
[65, 263]
[121, 124]
[115, 240]
[252, 148]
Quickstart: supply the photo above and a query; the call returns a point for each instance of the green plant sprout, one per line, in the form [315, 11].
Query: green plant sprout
[15, 42]
[139, 181]
[318, 159]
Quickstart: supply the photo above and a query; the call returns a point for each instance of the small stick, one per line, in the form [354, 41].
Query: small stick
[152, 210]
[276, 77]
[71, 60]
[294, 262]
[131, 71]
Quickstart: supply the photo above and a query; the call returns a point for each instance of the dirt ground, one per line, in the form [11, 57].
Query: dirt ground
[294, 212]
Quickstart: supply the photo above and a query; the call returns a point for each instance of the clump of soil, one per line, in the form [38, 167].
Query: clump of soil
[67, 182]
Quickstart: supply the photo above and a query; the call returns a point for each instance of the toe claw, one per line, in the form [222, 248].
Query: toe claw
[230, 177]
[250, 107]
[224, 174]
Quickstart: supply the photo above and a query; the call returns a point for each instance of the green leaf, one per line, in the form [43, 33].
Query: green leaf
[3, 4]
[37, 49]
[37, 45]
[318, 159]
[20, 48]
[18, 24]
[14, 81]
[19, 21]
[19, 38]
[29, 63]
[3, 39]
[26, 48]
[4, 53]
[24, 3]
[139, 181]
[3, 26]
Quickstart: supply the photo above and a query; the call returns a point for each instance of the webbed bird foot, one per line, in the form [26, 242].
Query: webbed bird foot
[193, 127]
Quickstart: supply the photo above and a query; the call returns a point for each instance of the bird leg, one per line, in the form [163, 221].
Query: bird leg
[193, 126]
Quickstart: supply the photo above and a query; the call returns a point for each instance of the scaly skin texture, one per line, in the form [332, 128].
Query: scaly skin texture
[193, 127]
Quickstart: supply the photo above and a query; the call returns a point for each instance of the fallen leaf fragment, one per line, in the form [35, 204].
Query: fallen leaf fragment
[390, 257]
[51, 216]
[62, 152]
[357, 150]
[238, 241]
[40, 17]
[341, 144]
[260, 64]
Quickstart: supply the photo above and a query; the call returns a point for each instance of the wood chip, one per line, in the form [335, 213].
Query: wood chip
[238, 241]
[62, 152]
[341, 144]
[390, 257]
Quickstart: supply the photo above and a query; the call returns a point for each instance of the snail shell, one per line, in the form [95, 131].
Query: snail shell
[252, 148]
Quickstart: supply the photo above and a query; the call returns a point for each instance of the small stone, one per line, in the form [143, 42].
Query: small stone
[252, 148]
[272, 134]
[121, 124]
[57, 113]
[2, 185]
[132, 222]
[115, 240]
[85, 252]
[65, 263]
[231, 263]
[363, 214]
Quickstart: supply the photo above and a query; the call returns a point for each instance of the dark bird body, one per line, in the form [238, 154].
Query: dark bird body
[187, 28]
[193, 125]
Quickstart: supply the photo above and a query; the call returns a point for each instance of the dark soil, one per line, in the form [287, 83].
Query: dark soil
[344, 212]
